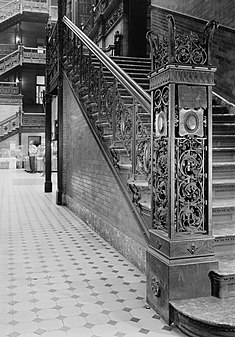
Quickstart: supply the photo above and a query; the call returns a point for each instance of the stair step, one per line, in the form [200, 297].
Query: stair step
[224, 244]
[223, 188]
[223, 210]
[221, 140]
[227, 128]
[219, 109]
[204, 316]
[223, 169]
[223, 118]
[223, 154]
[223, 279]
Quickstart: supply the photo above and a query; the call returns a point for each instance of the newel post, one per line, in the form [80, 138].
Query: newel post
[181, 252]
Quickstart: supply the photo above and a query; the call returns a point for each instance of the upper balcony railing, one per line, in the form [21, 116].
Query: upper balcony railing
[34, 55]
[15, 7]
[22, 55]
[9, 88]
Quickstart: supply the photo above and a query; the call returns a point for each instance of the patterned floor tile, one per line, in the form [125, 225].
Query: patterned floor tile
[58, 278]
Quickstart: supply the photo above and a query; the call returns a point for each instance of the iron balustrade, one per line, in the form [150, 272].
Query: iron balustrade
[181, 49]
[99, 80]
[133, 88]
[10, 61]
[18, 6]
[9, 124]
[22, 55]
[33, 119]
[9, 88]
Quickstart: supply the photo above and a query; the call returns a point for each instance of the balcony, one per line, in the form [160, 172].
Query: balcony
[17, 10]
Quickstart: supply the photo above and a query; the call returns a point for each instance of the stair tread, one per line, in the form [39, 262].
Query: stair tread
[222, 149]
[226, 163]
[211, 310]
[224, 202]
[223, 181]
[226, 264]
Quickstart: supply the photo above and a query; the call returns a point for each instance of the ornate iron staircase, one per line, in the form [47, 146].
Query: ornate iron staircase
[100, 93]
[120, 116]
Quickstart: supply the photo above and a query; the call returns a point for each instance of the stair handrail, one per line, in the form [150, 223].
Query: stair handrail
[223, 99]
[9, 3]
[9, 55]
[36, 49]
[133, 88]
[10, 85]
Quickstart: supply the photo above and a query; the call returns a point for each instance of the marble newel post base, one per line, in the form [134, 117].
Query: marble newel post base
[178, 269]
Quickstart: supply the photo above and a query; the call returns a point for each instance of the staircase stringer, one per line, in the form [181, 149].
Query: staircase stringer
[109, 158]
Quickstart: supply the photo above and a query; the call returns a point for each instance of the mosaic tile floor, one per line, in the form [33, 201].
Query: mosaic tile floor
[59, 278]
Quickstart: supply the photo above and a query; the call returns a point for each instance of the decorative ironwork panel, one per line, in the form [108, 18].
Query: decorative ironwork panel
[9, 124]
[190, 198]
[189, 50]
[143, 149]
[160, 184]
[191, 181]
[160, 175]
[7, 88]
[124, 124]
[186, 49]
[52, 54]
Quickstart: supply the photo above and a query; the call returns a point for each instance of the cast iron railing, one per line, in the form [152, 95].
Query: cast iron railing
[22, 55]
[33, 119]
[9, 88]
[114, 102]
[18, 6]
[185, 49]
[85, 64]
[9, 124]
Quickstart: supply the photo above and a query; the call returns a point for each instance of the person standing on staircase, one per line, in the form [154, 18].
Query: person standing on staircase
[32, 156]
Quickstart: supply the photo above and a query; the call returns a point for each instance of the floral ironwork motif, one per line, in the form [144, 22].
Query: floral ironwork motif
[189, 50]
[124, 124]
[160, 151]
[160, 184]
[143, 149]
[181, 49]
[190, 185]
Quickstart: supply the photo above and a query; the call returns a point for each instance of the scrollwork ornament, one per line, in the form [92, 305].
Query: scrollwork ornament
[190, 186]
[160, 185]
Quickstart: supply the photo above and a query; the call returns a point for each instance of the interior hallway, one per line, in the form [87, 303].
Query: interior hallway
[58, 277]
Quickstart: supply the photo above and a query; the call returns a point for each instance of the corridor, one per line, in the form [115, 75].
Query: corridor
[59, 278]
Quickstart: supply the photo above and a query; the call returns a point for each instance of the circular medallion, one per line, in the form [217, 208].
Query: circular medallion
[147, 157]
[160, 124]
[122, 124]
[191, 121]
